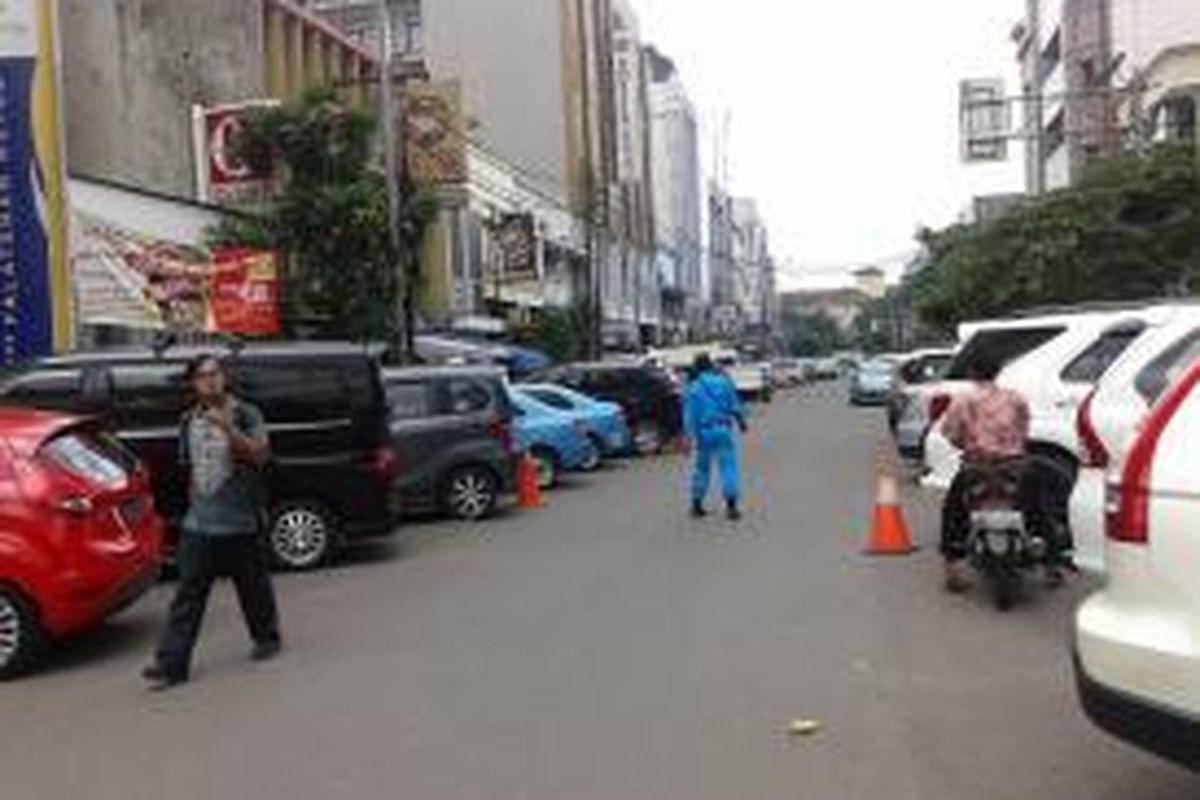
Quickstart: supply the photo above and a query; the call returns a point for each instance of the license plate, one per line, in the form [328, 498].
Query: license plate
[998, 520]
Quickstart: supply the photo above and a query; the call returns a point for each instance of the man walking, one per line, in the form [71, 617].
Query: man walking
[711, 408]
[223, 445]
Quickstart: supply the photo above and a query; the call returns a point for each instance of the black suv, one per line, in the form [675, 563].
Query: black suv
[452, 431]
[650, 398]
[332, 470]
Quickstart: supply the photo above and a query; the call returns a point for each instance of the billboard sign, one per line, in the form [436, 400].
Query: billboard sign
[435, 133]
[516, 239]
[221, 177]
[244, 292]
[985, 120]
[34, 283]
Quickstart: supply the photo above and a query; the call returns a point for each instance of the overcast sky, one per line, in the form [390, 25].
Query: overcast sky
[844, 114]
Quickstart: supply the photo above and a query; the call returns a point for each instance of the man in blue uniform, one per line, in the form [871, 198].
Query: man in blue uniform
[711, 409]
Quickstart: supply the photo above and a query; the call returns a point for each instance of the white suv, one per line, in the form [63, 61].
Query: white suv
[1053, 362]
[1138, 639]
[1107, 420]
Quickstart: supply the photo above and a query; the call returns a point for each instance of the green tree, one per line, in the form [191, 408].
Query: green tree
[815, 334]
[1129, 230]
[561, 334]
[329, 219]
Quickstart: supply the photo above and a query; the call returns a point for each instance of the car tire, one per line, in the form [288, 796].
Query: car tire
[648, 439]
[470, 493]
[595, 458]
[302, 536]
[20, 635]
[548, 470]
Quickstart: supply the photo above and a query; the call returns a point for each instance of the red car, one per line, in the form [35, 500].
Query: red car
[79, 536]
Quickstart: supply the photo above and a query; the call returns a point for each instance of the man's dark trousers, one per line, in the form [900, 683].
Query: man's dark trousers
[201, 560]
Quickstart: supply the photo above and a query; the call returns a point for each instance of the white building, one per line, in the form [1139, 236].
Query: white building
[675, 180]
[1158, 43]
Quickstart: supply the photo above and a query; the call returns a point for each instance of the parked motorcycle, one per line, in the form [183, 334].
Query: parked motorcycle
[1003, 548]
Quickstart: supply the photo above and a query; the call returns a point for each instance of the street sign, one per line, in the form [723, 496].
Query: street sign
[220, 176]
[985, 120]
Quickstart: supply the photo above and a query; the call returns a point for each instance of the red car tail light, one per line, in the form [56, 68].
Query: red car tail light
[501, 430]
[385, 464]
[939, 404]
[1127, 517]
[1094, 453]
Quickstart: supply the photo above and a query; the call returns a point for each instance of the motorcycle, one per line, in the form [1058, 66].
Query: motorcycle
[1002, 548]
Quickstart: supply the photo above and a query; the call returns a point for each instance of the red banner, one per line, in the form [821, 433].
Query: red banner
[244, 292]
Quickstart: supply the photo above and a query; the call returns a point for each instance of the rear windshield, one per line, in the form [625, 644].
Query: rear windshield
[1000, 346]
[1160, 373]
[98, 460]
[1093, 362]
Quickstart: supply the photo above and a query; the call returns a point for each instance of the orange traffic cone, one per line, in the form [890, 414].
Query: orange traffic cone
[529, 494]
[889, 532]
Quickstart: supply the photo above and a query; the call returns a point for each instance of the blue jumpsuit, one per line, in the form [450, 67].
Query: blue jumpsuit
[711, 408]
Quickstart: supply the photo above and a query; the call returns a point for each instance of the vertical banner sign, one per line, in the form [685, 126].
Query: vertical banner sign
[34, 286]
[244, 292]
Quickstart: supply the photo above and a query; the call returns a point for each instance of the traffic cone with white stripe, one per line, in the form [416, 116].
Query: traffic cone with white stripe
[889, 531]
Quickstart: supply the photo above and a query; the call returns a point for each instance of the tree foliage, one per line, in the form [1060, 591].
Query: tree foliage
[561, 334]
[329, 219]
[815, 334]
[1130, 229]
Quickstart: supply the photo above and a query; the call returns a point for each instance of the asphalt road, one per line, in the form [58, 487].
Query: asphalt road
[605, 647]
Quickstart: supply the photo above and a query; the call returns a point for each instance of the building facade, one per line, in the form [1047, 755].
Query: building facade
[676, 181]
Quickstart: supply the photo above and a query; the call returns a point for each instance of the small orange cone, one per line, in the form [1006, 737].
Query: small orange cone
[529, 494]
[889, 532]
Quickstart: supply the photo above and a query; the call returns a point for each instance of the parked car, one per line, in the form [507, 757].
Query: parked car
[788, 373]
[752, 378]
[908, 402]
[1108, 419]
[332, 470]
[871, 384]
[451, 428]
[827, 369]
[650, 397]
[1138, 639]
[606, 421]
[79, 537]
[557, 440]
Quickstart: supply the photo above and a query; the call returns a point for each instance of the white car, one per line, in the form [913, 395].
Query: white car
[1138, 639]
[1107, 420]
[1053, 362]
[908, 411]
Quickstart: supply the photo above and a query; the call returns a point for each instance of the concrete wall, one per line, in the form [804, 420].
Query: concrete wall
[133, 69]
[510, 61]
[1144, 28]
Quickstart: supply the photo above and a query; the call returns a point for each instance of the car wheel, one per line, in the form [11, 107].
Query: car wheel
[546, 463]
[470, 493]
[20, 638]
[302, 536]
[648, 440]
[595, 456]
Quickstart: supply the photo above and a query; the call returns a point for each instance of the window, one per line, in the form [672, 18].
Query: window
[53, 390]
[408, 401]
[294, 392]
[407, 31]
[1092, 363]
[1161, 372]
[1001, 346]
[552, 399]
[1177, 119]
[1056, 133]
[1051, 55]
[150, 394]
[468, 396]
[924, 370]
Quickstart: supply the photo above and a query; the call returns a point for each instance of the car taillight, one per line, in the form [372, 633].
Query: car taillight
[385, 464]
[501, 430]
[939, 404]
[1127, 517]
[1095, 454]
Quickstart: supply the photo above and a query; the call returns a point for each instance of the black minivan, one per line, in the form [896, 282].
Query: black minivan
[332, 473]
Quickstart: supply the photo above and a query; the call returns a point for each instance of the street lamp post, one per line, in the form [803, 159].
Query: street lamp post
[392, 158]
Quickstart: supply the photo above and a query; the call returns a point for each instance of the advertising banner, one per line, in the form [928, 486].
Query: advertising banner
[34, 286]
[130, 280]
[221, 177]
[435, 133]
[516, 237]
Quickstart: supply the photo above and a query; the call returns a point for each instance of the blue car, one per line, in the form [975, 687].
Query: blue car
[606, 421]
[557, 440]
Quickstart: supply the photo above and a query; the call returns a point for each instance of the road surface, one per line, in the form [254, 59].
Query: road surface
[604, 647]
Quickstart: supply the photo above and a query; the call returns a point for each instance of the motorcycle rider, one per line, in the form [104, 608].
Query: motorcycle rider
[990, 425]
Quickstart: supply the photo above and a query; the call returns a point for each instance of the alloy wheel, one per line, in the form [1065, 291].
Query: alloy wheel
[547, 470]
[11, 631]
[300, 537]
[471, 495]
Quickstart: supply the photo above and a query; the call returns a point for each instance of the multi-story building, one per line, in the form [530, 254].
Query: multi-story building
[722, 275]
[1103, 75]
[752, 267]
[675, 172]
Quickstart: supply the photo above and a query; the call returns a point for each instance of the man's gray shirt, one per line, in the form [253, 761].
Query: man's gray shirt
[225, 494]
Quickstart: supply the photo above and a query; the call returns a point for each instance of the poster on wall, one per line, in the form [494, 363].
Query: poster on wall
[130, 280]
[435, 133]
[34, 287]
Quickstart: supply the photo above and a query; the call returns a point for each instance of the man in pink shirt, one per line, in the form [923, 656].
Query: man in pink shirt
[990, 425]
